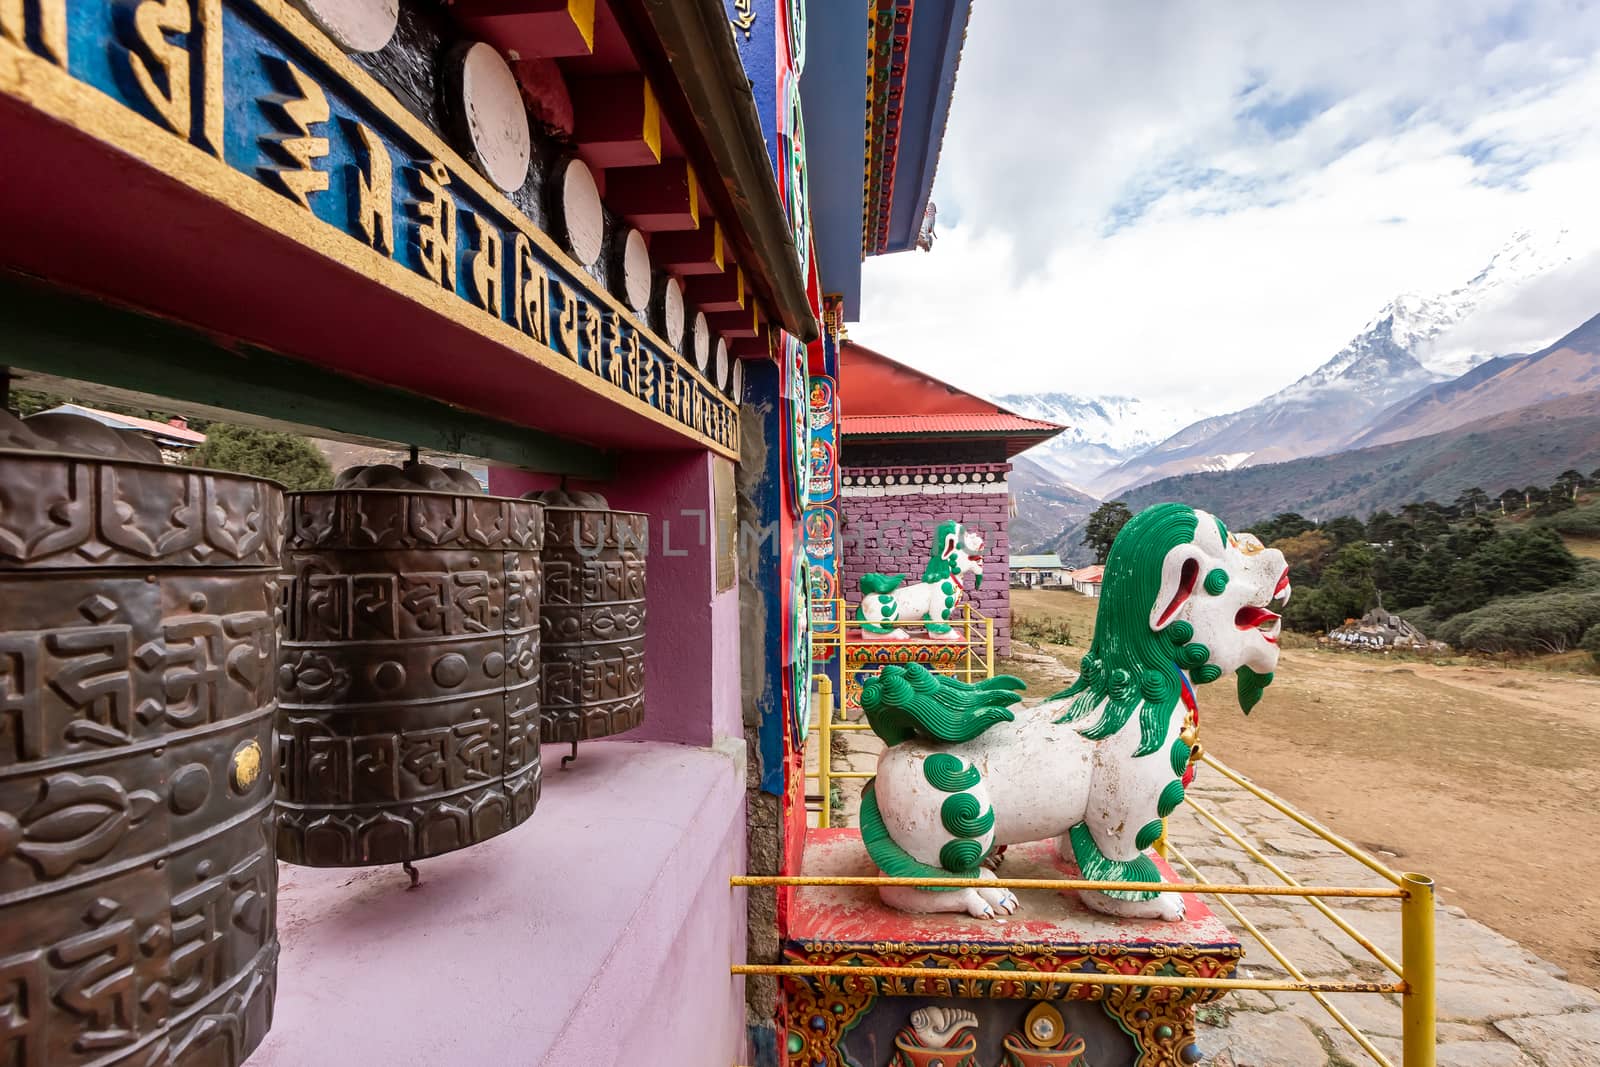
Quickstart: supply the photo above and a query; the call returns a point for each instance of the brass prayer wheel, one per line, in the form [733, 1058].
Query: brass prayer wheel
[138, 628]
[408, 721]
[592, 618]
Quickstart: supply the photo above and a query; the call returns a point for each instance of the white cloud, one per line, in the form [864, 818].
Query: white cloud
[1197, 202]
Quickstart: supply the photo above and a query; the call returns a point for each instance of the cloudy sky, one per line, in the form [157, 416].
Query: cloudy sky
[1196, 202]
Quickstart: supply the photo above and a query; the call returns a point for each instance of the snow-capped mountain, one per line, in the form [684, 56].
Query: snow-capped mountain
[1104, 431]
[1405, 348]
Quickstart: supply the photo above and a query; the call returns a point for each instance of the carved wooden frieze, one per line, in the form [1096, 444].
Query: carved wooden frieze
[592, 619]
[409, 680]
[137, 646]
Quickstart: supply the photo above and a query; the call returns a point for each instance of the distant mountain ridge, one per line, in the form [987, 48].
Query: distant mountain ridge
[1527, 445]
[1568, 367]
[1102, 431]
[1044, 505]
[1392, 359]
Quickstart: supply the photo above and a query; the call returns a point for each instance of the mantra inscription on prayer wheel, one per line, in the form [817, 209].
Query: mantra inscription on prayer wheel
[408, 721]
[137, 642]
[592, 618]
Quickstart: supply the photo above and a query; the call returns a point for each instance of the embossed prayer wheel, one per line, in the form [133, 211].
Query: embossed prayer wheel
[408, 721]
[137, 641]
[592, 619]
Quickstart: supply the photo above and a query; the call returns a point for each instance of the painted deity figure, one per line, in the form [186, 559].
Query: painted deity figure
[886, 600]
[1097, 766]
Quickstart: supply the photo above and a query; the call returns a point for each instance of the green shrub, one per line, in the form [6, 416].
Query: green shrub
[290, 460]
[1583, 521]
[1591, 642]
[1551, 621]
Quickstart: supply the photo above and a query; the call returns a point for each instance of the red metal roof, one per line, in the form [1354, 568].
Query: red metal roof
[129, 422]
[992, 422]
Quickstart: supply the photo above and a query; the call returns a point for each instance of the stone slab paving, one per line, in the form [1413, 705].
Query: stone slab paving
[1499, 1005]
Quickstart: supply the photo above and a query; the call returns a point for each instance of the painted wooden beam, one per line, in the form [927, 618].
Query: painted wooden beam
[60, 335]
[531, 29]
[718, 292]
[618, 120]
[743, 323]
[663, 197]
[691, 252]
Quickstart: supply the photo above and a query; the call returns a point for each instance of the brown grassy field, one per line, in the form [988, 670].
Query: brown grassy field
[1483, 776]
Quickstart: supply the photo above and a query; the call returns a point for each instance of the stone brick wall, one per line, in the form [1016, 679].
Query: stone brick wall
[886, 524]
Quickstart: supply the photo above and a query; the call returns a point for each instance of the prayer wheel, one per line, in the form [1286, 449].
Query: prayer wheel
[138, 630]
[408, 722]
[592, 618]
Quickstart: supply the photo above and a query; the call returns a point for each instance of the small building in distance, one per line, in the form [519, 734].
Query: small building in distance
[1086, 580]
[914, 452]
[173, 437]
[1038, 572]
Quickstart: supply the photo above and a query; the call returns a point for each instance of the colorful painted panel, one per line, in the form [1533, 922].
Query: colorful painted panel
[798, 409]
[820, 533]
[247, 103]
[800, 647]
[823, 408]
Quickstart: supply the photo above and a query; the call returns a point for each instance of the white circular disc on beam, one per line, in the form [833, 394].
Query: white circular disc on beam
[736, 388]
[702, 343]
[579, 212]
[354, 25]
[672, 309]
[496, 120]
[721, 378]
[636, 271]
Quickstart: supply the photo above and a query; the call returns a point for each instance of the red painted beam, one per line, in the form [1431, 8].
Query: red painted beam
[655, 199]
[736, 325]
[618, 121]
[531, 29]
[691, 252]
[717, 292]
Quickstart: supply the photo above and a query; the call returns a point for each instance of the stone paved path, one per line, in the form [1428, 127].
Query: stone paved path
[1499, 1005]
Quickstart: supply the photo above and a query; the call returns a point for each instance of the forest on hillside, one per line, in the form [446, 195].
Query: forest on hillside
[1481, 574]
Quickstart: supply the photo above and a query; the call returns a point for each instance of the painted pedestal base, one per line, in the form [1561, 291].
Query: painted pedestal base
[869, 654]
[853, 1022]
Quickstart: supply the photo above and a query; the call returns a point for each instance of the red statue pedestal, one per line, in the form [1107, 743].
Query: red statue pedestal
[875, 1021]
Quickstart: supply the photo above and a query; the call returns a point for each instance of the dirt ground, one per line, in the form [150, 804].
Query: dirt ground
[1485, 777]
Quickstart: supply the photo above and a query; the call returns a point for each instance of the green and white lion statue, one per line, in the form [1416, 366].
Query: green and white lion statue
[1097, 766]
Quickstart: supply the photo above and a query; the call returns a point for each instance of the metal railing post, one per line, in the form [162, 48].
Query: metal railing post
[1417, 1038]
[825, 748]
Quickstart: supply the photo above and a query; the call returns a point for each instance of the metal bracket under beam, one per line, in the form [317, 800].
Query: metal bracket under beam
[58, 334]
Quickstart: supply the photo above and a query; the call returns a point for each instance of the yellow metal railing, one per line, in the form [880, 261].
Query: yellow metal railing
[974, 661]
[1415, 968]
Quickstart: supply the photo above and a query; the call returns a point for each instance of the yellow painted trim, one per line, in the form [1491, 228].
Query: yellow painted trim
[37, 82]
[694, 193]
[652, 121]
[582, 14]
[717, 254]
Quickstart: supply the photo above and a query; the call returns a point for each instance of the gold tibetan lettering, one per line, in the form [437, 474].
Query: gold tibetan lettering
[591, 337]
[153, 20]
[488, 283]
[669, 387]
[649, 376]
[567, 323]
[52, 26]
[436, 226]
[210, 17]
[531, 291]
[306, 107]
[616, 349]
[374, 188]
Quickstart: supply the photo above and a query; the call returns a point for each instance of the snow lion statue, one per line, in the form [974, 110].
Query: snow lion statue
[1097, 766]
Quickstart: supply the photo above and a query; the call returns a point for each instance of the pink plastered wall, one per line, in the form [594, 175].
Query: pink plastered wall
[692, 631]
[891, 534]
